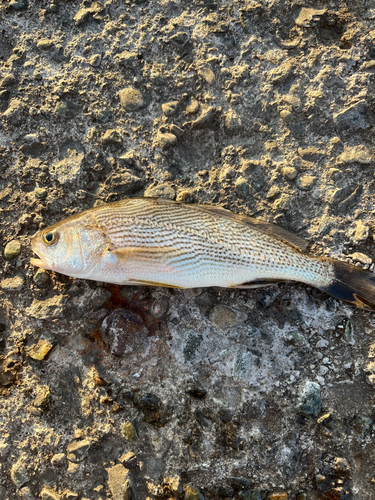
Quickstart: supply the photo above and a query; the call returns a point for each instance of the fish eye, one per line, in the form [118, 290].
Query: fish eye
[50, 238]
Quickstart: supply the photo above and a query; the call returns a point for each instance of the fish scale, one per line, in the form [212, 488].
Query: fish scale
[230, 252]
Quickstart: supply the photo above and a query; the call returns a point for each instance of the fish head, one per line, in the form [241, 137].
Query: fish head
[72, 247]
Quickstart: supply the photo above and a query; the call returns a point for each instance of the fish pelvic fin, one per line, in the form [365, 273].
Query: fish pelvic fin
[352, 284]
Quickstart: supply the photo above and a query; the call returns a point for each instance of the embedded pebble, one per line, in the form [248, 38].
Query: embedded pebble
[129, 432]
[14, 284]
[289, 173]
[165, 141]
[161, 191]
[242, 187]
[112, 137]
[12, 250]
[356, 154]
[306, 182]
[19, 474]
[361, 232]
[282, 203]
[41, 278]
[310, 402]
[131, 99]
[354, 117]
[121, 483]
[169, 108]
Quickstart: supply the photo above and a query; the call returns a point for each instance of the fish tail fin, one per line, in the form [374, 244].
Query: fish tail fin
[352, 284]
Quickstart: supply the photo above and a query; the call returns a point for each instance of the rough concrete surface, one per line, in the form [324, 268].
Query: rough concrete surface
[265, 107]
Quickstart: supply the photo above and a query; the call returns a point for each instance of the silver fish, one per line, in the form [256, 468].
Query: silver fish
[149, 241]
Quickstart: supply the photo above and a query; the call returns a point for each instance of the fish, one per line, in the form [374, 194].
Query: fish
[158, 242]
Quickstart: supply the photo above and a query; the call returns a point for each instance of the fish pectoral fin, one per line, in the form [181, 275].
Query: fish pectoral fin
[257, 283]
[151, 283]
[161, 255]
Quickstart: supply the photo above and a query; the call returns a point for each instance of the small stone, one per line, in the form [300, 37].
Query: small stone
[361, 232]
[273, 192]
[208, 75]
[355, 117]
[58, 459]
[40, 193]
[4, 449]
[242, 187]
[309, 401]
[204, 119]
[41, 278]
[95, 60]
[14, 284]
[232, 122]
[165, 141]
[223, 317]
[48, 494]
[19, 4]
[289, 173]
[24, 493]
[8, 80]
[357, 154]
[14, 111]
[192, 107]
[294, 337]
[278, 496]
[78, 450]
[286, 116]
[361, 258]
[184, 197]
[123, 183]
[306, 182]
[127, 58]
[309, 18]
[40, 350]
[121, 483]
[281, 73]
[161, 191]
[131, 99]
[45, 44]
[12, 250]
[112, 136]
[19, 474]
[128, 458]
[283, 202]
[180, 39]
[129, 432]
[169, 108]
[160, 307]
[43, 398]
[174, 485]
[192, 493]
[46, 309]
[67, 109]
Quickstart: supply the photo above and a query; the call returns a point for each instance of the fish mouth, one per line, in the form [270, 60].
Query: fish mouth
[40, 262]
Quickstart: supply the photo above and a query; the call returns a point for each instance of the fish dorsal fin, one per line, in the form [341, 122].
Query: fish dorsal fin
[260, 225]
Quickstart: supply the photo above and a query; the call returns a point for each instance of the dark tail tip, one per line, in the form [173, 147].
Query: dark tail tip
[353, 285]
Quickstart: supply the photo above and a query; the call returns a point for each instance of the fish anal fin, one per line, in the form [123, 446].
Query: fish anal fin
[257, 283]
[151, 283]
